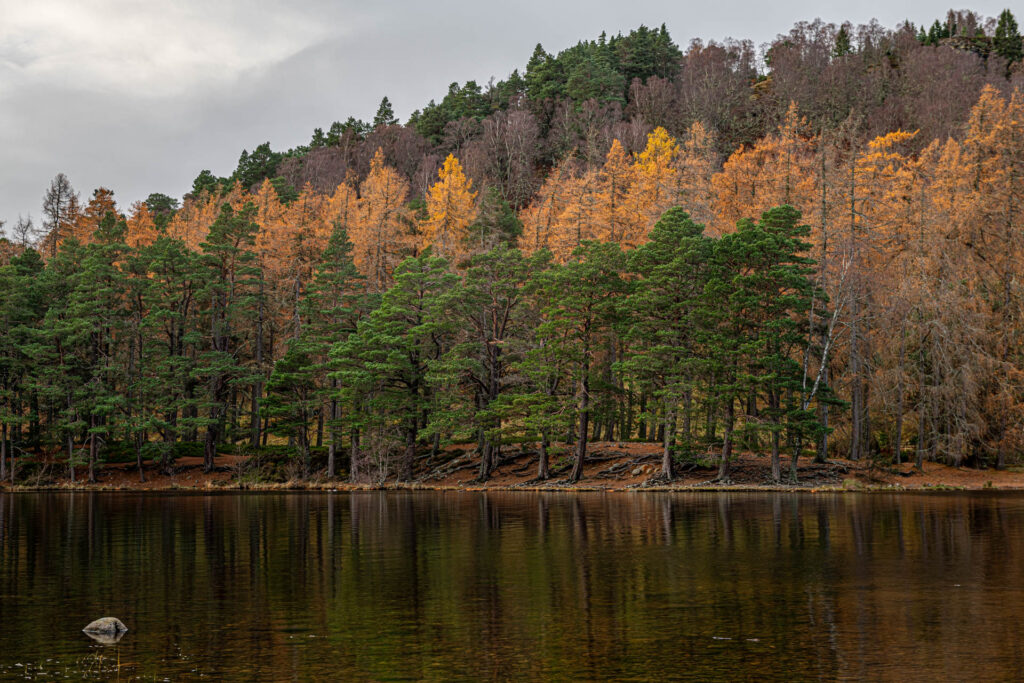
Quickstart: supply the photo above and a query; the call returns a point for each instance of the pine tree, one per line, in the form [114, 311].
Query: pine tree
[231, 280]
[579, 312]
[471, 376]
[21, 310]
[842, 45]
[775, 293]
[335, 302]
[664, 305]
[292, 401]
[1008, 42]
[172, 336]
[385, 115]
[95, 310]
[496, 223]
[385, 363]
[58, 370]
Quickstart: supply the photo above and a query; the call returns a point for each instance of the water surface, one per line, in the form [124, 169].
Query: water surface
[495, 586]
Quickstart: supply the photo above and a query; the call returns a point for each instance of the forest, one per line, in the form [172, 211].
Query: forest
[812, 249]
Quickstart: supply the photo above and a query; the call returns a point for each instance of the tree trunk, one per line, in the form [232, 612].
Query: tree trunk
[776, 460]
[670, 432]
[303, 439]
[642, 423]
[353, 457]
[3, 450]
[71, 457]
[626, 426]
[92, 450]
[687, 426]
[1001, 448]
[138, 455]
[773, 400]
[793, 461]
[435, 448]
[542, 458]
[609, 429]
[333, 447]
[723, 465]
[897, 443]
[821, 452]
[584, 423]
[410, 452]
[485, 460]
[919, 455]
[210, 442]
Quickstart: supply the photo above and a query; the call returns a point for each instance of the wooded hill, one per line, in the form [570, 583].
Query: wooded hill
[629, 241]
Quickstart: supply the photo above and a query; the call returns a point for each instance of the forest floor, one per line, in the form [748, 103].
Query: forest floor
[610, 466]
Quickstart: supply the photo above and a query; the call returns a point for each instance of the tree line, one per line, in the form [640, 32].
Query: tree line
[914, 318]
[160, 343]
[509, 133]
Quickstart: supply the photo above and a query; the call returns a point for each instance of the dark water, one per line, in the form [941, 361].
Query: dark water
[388, 586]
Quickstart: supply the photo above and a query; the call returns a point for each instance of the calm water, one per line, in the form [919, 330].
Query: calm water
[514, 585]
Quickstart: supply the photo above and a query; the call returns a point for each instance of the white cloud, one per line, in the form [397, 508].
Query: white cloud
[149, 49]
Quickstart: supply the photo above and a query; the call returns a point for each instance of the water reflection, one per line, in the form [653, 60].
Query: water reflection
[512, 585]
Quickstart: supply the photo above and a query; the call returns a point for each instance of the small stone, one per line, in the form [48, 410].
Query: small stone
[107, 630]
[638, 471]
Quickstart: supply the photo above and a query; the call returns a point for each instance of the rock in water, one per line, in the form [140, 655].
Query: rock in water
[107, 626]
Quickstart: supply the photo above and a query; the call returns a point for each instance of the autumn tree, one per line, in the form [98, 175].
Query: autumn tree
[450, 211]
[379, 235]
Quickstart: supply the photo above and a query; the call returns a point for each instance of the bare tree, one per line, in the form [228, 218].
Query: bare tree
[25, 233]
[59, 204]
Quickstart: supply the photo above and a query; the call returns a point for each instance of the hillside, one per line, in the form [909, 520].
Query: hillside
[629, 242]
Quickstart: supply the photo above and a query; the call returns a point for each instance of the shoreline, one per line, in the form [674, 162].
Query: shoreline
[611, 467]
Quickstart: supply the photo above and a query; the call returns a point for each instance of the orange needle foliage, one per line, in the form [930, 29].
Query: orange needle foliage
[379, 235]
[451, 209]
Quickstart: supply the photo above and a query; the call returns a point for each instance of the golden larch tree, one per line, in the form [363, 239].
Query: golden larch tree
[451, 209]
[657, 179]
[615, 216]
[696, 164]
[142, 230]
[380, 236]
[541, 218]
[86, 222]
[776, 170]
[577, 220]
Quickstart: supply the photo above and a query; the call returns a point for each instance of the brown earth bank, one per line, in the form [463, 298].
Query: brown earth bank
[609, 467]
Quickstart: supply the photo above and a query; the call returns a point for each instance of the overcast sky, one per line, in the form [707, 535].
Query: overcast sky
[140, 96]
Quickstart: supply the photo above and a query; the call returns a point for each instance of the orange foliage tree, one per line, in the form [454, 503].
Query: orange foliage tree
[451, 209]
[380, 236]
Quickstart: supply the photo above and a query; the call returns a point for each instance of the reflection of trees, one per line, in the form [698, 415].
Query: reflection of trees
[520, 585]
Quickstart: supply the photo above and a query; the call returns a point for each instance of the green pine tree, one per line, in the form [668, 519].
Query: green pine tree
[1008, 42]
[664, 308]
[579, 313]
[231, 281]
[384, 365]
[335, 302]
